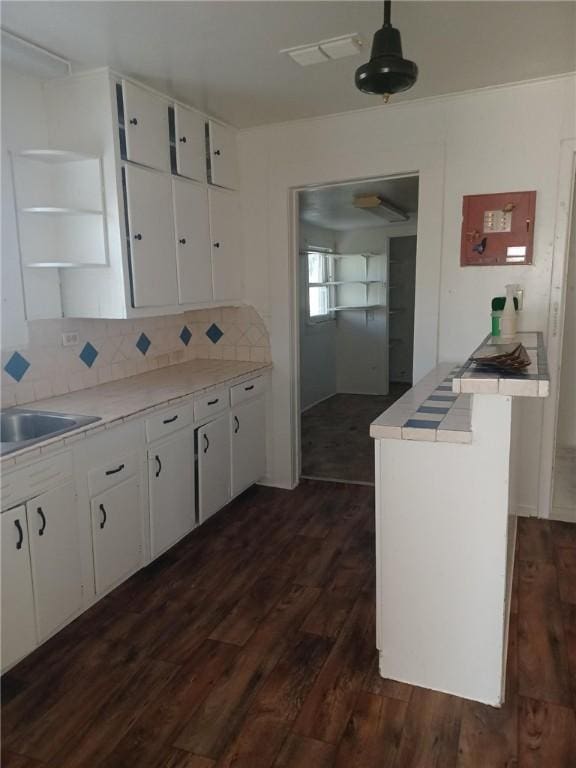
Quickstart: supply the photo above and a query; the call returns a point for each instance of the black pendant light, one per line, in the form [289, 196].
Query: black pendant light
[386, 72]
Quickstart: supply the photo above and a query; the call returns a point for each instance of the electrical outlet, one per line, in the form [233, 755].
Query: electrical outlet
[70, 339]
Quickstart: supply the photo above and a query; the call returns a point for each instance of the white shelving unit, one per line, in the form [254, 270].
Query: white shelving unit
[360, 283]
[61, 212]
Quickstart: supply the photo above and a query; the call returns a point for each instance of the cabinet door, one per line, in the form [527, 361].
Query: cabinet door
[55, 556]
[223, 156]
[213, 467]
[248, 444]
[151, 233]
[147, 128]
[192, 242]
[171, 478]
[227, 263]
[18, 625]
[190, 143]
[116, 534]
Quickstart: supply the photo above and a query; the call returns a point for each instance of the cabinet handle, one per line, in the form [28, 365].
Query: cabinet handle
[114, 471]
[43, 519]
[206, 443]
[182, 139]
[213, 402]
[237, 425]
[170, 421]
[20, 534]
[138, 236]
[247, 389]
[104, 516]
[133, 121]
[182, 241]
[217, 152]
[159, 464]
[216, 245]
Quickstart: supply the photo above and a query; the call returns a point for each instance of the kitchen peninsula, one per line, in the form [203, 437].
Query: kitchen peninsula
[446, 489]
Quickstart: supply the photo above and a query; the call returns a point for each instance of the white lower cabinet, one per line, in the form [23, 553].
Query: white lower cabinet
[55, 557]
[247, 424]
[213, 445]
[116, 534]
[172, 484]
[18, 626]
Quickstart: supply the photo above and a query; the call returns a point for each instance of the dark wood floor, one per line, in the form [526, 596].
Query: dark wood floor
[336, 442]
[251, 645]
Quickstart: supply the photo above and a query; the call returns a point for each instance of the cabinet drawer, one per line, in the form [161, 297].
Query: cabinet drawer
[36, 478]
[209, 405]
[112, 474]
[247, 390]
[166, 422]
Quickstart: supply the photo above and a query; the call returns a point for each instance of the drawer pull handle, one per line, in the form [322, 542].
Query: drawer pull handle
[43, 519]
[213, 402]
[159, 465]
[206, 443]
[104, 516]
[171, 420]
[114, 471]
[237, 425]
[20, 534]
[247, 389]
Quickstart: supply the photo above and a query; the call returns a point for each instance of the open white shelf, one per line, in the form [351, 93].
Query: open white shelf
[55, 155]
[58, 211]
[348, 282]
[364, 307]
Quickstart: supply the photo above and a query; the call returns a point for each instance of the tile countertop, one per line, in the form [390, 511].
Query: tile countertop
[127, 398]
[430, 412]
[534, 381]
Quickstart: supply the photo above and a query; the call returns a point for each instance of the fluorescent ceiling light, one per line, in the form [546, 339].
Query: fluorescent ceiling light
[381, 207]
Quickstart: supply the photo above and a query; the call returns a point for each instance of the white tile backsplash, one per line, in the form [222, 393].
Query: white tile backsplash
[55, 370]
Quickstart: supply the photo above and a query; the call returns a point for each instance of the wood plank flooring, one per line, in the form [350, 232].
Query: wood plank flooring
[251, 645]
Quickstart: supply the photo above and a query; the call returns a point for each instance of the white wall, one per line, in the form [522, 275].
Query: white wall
[494, 140]
[566, 435]
[317, 340]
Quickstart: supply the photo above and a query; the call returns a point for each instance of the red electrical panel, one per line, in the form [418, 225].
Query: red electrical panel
[497, 230]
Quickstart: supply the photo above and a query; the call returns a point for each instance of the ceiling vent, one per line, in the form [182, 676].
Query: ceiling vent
[325, 50]
[379, 206]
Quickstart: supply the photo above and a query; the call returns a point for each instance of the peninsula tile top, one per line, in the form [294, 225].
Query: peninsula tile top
[534, 381]
[429, 412]
[128, 398]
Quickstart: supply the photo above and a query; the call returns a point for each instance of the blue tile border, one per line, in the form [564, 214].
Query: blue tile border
[143, 343]
[185, 335]
[422, 424]
[432, 409]
[214, 333]
[88, 355]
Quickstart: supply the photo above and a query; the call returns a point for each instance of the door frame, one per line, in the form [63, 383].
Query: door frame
[433, 178]
[556, 315]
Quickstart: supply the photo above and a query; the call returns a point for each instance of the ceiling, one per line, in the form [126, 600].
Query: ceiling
[223, 57]
[333, 207]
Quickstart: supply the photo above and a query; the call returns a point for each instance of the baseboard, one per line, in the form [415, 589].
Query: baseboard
[526, 510]
[317, 402]
[563, 514]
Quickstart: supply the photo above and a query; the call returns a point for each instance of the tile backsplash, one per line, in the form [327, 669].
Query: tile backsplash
[114, 349]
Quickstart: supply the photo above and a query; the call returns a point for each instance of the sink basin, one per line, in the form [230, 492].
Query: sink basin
[20, 428]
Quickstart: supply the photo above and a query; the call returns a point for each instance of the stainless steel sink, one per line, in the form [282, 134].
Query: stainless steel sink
[20, 428]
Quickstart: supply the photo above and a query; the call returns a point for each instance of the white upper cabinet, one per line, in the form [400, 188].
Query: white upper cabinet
[18, 626]
[192, 242]
[55, 556]
[151, 238]
[146, 127]
[227, 263]
[223, 160]
[190, 143]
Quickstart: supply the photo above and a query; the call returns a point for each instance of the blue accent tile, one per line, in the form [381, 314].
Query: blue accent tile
[185, 335]
[143, 343]
[444, 388]
[17, 366]
[214, 333]
[421, 424]
[88, 354]
[430, 409]
[444, 398]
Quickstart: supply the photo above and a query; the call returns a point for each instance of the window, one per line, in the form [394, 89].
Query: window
[320, 272]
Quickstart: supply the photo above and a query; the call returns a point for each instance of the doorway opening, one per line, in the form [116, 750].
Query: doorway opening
[357, 276]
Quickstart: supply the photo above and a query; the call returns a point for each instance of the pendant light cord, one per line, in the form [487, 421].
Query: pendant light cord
[387, 9]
